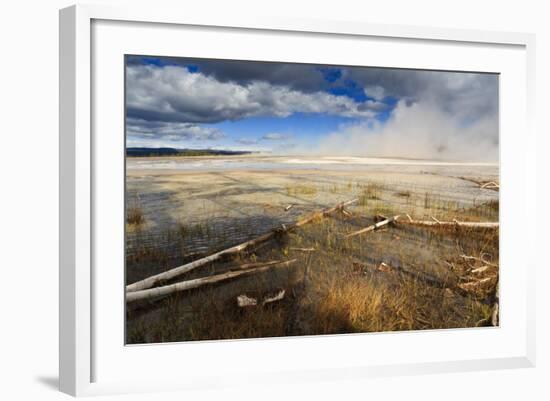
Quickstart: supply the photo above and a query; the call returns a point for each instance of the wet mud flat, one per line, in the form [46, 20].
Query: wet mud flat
[337, 284]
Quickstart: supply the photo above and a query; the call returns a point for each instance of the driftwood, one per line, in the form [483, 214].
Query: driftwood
[373, 227]
[475, 284]
[244, 301]
[303, 249]
[277, 297]
[482, 269]
[178, 271]
[198, 282]
[454, 223]
[483, 184]
[495, 314]
[490, 185]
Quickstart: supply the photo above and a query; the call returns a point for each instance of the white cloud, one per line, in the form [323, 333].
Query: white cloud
[275, 136]
[247, 141]
[375, 91]
[174, 94]
[173, 131]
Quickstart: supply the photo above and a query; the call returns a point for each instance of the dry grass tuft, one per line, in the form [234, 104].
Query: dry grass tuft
[134, 212]
[301, 189]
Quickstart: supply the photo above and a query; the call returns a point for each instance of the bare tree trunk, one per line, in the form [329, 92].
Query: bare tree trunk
[373, 227]
[454, 223]
[178, 271]
[199, 282]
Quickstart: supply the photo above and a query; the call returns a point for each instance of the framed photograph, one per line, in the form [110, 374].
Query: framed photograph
[277, 200]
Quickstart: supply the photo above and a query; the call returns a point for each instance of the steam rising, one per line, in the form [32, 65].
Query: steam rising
[421, 131]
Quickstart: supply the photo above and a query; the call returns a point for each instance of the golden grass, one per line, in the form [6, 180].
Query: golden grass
[359, 305]
[134, 212]
[337, 288]
[301, 189]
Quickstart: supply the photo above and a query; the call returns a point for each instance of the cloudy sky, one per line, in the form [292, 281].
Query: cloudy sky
[286, 108]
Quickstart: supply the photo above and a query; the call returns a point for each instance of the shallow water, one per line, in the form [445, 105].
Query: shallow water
[189, 210]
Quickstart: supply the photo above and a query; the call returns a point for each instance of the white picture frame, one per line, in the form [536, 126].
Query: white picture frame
[82, 348]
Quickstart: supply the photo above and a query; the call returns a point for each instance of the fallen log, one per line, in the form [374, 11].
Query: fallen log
[152, 293]
[454, 223]
[483, 184]
[175, 272]
[372, 227]
[322, 213]
[178, 271]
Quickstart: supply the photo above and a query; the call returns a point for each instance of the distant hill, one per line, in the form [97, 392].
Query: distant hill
[148, 152]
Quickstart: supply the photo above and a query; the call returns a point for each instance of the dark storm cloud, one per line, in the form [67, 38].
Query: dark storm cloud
[303, 77]
[469, 95]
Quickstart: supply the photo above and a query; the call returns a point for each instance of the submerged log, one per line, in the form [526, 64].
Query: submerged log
[157, 292]
[373, 227]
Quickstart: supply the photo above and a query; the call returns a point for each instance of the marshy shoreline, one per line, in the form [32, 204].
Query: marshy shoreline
[182, 209]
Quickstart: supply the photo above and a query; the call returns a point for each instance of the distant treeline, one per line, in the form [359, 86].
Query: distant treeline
[149, 152]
